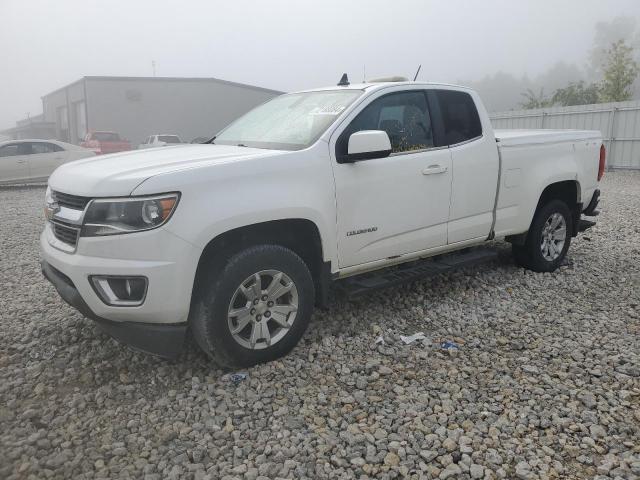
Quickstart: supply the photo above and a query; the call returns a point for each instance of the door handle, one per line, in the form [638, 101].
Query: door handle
[20, 161]
[434, 169]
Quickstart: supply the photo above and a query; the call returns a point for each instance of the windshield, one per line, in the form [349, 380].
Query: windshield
[169, 139]
[289, 122]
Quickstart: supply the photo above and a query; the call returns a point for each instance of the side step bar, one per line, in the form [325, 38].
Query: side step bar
[410, 271]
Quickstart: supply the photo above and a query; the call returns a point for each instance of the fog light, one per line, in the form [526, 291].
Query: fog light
[120, 291]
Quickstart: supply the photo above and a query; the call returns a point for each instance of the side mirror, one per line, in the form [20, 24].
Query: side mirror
[366, 145]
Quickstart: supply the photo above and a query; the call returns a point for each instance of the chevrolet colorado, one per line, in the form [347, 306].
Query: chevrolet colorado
[236, 240]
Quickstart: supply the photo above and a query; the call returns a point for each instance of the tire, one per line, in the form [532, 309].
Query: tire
[229, 299]
[545, 247]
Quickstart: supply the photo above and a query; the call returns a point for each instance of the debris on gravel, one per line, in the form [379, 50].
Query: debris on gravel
[545, 382]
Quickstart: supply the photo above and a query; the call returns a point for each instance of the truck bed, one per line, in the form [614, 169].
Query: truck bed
[513, 137]
[531, 159]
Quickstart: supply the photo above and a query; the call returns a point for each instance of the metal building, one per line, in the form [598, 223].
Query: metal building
[30, 127]
[136, 107]
[619, 123]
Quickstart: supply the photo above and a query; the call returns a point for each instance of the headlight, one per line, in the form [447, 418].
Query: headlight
[50, 206]
[114, 216]
[48, 196]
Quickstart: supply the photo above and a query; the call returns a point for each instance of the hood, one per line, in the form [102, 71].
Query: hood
[119, 174]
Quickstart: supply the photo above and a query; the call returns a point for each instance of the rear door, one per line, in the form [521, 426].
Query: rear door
[44, 159]
[13, 162]
[387, 207]
[475, 165]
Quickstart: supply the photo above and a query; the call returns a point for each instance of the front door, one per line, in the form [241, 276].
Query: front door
[391, 206]
[13, 163]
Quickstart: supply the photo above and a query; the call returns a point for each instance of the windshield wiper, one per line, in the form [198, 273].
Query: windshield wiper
[241, 145]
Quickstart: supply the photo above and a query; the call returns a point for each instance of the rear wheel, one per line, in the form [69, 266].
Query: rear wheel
[256, 308]
[548, 239]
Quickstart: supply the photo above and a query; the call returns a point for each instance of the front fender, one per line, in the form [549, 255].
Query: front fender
[214, 200]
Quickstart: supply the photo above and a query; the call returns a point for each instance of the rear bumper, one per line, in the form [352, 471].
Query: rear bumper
[583, 224]
[164, 340]
[591, 211]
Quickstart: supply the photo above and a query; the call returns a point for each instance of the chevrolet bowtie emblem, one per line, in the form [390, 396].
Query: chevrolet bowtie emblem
[50, 210]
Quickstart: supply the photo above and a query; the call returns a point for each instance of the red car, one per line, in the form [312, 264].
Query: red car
[105, 142]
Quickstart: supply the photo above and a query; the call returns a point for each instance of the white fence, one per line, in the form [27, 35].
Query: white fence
[618, 122]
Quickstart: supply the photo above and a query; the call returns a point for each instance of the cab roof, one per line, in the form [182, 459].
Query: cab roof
[378, 85]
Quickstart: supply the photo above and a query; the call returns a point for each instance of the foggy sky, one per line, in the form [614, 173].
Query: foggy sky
[285, 45]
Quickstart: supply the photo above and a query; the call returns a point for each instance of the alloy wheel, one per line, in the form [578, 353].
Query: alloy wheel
[554, 235]
[262, 309]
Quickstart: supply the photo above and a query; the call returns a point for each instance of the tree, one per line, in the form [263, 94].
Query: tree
[576, 93]
[619, 72]
[606, 34]
[535, 100]
[557, 76]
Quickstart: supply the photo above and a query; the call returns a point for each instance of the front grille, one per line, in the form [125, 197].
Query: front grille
[74, 202]
[66, 234]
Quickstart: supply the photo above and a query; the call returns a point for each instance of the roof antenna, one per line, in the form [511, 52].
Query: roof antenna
[344, 81]
[416, 76]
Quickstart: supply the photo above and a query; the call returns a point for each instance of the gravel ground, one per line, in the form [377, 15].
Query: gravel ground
[545, 384]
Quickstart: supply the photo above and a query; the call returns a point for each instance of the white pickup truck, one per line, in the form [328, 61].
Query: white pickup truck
[236, 240]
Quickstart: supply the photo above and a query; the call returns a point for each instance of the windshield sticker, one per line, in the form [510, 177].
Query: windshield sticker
[328, 110]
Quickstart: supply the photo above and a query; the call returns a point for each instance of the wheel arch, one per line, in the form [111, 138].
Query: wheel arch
[566, 190]
[300, 235]
[569, 192]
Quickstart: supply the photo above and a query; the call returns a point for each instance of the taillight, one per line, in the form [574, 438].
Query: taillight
[603, 158]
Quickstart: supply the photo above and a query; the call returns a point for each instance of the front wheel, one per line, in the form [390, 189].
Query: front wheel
[256, 309]
[548, 239]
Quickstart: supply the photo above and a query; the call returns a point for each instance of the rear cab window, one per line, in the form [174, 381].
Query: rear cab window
[105, 136]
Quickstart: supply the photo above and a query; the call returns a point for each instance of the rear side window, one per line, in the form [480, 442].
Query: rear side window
[460, 117]
[42, 147]
[24, 149]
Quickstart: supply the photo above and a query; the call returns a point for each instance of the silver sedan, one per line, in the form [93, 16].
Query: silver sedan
[34, 160]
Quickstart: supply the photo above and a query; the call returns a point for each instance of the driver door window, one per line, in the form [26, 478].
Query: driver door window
[404, 116]
[9, 150]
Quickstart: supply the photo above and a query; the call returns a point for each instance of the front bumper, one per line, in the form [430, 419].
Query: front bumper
[169, 264]
[164, 340]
